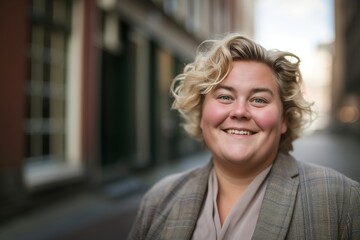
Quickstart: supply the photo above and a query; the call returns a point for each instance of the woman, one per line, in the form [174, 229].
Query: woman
[245, 103]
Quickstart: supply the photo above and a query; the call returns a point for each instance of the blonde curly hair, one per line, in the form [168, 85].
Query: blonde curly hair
[213, 63]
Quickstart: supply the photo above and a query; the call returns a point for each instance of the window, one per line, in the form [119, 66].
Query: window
[47, 92]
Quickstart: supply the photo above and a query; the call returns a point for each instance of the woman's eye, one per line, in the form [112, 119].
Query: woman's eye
[225, 98]
[259, 101]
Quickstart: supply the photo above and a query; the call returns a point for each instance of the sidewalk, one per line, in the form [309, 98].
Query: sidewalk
[334, 150]
[107, 214]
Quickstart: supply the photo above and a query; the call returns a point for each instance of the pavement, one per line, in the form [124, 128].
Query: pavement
[336, 150]
[109, 213]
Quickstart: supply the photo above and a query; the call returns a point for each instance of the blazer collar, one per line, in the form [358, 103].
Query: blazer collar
[279, 200]
[275, 213]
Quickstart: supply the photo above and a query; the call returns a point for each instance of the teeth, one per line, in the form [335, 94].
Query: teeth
[238, 132]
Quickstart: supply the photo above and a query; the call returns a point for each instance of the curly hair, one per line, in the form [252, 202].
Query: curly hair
[213, 63]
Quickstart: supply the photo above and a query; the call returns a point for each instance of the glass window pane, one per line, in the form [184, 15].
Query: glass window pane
[38, 6]
[59, 11]
[36, 107]
[36, 146]
[57, 48]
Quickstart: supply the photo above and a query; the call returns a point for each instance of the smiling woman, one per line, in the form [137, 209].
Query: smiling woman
[245, 103]
[214, 63]
[252, 106]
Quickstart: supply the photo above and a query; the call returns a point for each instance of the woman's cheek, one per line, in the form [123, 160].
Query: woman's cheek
[268, 118]
[214, 112]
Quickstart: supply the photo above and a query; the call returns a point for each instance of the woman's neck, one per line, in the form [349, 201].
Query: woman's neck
[230, 185]
[230, 189]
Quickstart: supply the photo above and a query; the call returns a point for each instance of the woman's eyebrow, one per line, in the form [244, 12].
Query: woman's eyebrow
[226, 87]
[262, 89]
[254, 90]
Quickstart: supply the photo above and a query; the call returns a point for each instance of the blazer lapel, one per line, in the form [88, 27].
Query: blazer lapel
[279, 200]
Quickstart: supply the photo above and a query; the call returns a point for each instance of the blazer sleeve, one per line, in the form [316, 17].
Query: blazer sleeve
[330, 204]
[171, 205]
[147, 209]
[351, 218]
[141, 223]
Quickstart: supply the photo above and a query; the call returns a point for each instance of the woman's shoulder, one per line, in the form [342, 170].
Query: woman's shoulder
[315, 173]
[323, 180]
[178, 183]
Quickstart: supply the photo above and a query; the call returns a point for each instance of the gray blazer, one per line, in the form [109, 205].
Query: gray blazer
[302, 201]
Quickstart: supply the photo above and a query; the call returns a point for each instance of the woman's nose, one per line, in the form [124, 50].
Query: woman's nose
[240, 110]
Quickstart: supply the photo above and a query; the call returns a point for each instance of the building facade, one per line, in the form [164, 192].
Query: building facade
[346, 73]
[85, 89]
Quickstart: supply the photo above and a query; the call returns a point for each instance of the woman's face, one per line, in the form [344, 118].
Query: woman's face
[242, 118]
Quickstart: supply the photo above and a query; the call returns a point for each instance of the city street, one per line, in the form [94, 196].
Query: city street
[94, 93]
[108, 214]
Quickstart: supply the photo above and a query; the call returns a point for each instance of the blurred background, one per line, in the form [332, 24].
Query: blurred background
[86, 125]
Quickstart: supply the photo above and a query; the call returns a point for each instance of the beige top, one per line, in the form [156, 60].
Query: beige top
[241, 221]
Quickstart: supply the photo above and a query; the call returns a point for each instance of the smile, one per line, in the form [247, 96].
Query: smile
[239, 132]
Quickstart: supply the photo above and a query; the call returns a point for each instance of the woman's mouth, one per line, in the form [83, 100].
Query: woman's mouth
[239, 132]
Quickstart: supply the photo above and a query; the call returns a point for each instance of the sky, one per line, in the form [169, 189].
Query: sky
[293, 25]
